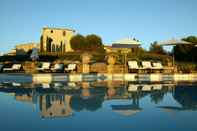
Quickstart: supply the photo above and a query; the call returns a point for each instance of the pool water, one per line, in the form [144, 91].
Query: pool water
[97, 106]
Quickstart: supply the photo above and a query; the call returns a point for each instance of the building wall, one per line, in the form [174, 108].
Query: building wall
[108, 49]
[24, 48]
[56, 40]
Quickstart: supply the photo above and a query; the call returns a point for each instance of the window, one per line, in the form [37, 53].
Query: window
[64, 33]
[51, 31]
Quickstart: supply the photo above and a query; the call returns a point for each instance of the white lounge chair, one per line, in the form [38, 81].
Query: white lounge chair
[45, 67]
[146, 65]
[71, 67]
[157, 65]
[45, 85]
[16, 84]
[133, 65]
[58, 68]
[15, 67]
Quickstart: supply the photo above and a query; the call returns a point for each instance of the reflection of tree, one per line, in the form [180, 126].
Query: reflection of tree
[91, 103]
[131, 108]
[137, 95]
[158, 95]
[186, 96]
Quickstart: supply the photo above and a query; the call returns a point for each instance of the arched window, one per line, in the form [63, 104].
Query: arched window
[48, 44]
[64, 33]
[57, 48]
[61, 46]
[53, 47]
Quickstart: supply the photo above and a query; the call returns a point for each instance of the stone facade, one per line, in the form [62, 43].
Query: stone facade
[24, 48]
[56, 40]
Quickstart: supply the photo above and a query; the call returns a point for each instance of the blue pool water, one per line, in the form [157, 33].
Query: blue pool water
[97, 106]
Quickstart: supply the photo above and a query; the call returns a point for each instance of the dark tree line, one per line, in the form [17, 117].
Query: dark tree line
[187, 52]
[156, 48]
[182, 52]
[87, 43]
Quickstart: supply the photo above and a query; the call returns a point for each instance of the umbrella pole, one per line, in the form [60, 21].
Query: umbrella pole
[173, 60]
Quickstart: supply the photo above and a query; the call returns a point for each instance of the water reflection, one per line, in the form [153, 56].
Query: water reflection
[64, 99]
[186, 96]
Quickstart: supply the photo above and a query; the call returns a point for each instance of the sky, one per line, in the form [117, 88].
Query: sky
[21, 21]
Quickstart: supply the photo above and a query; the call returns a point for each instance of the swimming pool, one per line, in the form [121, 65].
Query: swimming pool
[97, 105]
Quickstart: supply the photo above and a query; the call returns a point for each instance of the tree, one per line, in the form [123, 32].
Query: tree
[78, 42]
[94, 43]
[89, 43]
[191, 39]
[41, 44]
[155, 48]
[186, 52]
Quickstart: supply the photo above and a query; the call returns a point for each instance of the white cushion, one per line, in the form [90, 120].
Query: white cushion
[16, 66]
[157, 65]
[133, 65]
[58, 66]
[146, 64]
[46, 65]
[71, 66]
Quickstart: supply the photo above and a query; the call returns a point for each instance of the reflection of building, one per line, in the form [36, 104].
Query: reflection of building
[56, 40]
[12, 52]
[55, 106]
[24, 48]
[24, 98]
[58, 101]
[27, 96]
[128, 109]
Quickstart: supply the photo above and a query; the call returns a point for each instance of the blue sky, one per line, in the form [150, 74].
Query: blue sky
[21, 21]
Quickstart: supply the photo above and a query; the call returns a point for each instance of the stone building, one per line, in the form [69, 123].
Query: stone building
[126, 44]
[24, 48]
[56, 40]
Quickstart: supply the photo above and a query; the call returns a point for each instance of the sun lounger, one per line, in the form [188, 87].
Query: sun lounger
[71, 67]
[45, 85]
[15, 67]
[58, 68]
[146, 65]
[133, 66]
[45, 67]
[157, 65]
